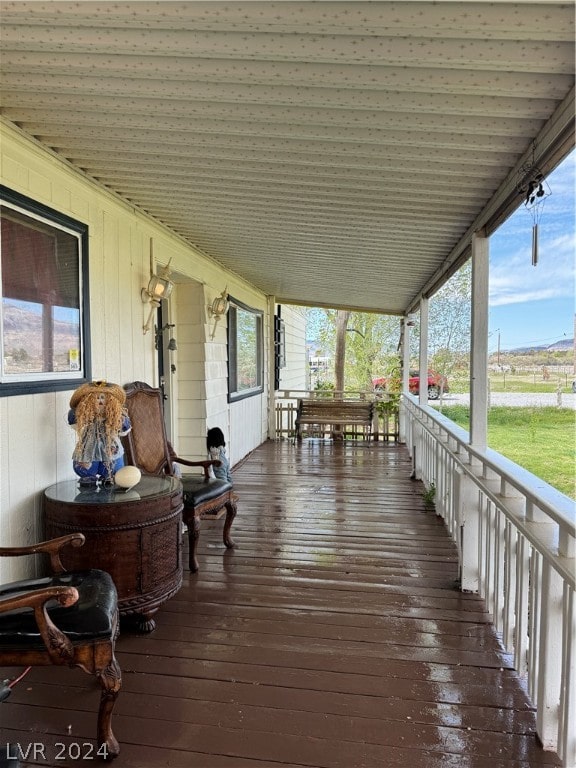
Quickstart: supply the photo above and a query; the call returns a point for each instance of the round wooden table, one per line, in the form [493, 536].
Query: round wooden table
[134, 535]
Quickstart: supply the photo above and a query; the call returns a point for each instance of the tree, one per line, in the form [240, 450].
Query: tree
[450, 313]
[370, 342]
[372, 348]
[342, 317]
[365, 345]
[449, 320]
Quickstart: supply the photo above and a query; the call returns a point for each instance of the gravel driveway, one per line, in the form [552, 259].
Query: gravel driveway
[530, 399]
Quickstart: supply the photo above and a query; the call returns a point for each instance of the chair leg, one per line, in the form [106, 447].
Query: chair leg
[230, 515]
[110, 679]
[193, 536]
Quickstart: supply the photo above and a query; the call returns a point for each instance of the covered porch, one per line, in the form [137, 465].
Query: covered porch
[333, 636]
[344, 155]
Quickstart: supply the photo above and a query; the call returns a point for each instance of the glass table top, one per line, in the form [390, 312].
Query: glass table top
[70, 491]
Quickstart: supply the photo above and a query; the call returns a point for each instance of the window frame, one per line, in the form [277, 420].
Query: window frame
[235, 394]
[56, 380]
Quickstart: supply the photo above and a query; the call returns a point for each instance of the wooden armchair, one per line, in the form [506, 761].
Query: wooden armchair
[67, 619]
[147, 447]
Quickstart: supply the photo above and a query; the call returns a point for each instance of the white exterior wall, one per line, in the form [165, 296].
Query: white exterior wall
[294, 374]
[36, 442]
[188, 381]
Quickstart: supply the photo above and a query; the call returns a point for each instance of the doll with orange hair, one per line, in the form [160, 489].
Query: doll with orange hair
[98, 414]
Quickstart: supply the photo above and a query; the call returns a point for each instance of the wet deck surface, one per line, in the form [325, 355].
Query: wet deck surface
[332, 636]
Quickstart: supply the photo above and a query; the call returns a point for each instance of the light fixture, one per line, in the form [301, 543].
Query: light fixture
[218, 308]
[159, 287]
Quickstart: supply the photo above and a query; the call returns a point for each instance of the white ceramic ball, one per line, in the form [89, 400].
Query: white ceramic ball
[128, 476]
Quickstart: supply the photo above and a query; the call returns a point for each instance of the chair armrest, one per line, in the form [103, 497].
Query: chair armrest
[57, 644]
[66, 596]
[52, 547]
[206, 464]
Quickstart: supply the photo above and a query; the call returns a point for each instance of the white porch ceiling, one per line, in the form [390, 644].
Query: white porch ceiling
[330, 153]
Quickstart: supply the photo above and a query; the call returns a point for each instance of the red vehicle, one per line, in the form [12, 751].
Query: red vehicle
[436, 382]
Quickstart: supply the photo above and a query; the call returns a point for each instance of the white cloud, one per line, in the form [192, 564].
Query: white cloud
[504, 298]
[514, 280]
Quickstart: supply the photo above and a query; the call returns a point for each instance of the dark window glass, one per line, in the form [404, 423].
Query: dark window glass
[44, 316]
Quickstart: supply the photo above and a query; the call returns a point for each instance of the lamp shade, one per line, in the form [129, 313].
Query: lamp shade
[159, 287]
[219, 305]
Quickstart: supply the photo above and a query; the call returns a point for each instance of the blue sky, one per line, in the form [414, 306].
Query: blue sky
[535, 305]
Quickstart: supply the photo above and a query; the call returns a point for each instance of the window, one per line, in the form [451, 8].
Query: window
[44, 310]
[245, 364]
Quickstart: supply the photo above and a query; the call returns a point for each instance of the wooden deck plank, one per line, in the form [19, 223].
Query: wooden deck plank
[332, 636]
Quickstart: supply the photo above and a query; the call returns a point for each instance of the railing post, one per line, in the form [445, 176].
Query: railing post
[375, 424]
[567, 730]
[416, 451]
[466, 505]
[549, 668]
[521, 606]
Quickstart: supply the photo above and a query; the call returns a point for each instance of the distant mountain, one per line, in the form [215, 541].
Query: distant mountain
[24, 338]
[564, 345]
[561, 346]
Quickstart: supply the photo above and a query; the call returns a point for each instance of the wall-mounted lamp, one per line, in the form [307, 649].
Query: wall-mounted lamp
[159, 287]
[218, 308]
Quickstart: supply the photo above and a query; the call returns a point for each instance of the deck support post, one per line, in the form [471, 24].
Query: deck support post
[479, 342]
[423, 390]
[405, 376]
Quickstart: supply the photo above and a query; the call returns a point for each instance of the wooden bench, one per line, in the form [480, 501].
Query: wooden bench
[347, 415]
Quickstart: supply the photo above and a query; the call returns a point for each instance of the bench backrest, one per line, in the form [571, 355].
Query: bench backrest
[356, 410]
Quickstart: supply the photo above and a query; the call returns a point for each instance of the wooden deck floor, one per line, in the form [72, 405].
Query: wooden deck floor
[331, 637]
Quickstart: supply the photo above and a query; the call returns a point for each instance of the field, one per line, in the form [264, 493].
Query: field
[519, 381]
[542, 440]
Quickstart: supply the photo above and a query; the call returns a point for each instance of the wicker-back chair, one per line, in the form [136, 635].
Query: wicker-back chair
[68, 619]
[147, 448]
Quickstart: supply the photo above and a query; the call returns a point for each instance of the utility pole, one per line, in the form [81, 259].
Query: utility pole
[496, 330]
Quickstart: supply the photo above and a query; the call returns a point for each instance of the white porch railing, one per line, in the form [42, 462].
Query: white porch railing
[516, 541]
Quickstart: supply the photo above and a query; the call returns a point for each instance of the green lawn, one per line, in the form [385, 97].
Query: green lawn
[542, 440]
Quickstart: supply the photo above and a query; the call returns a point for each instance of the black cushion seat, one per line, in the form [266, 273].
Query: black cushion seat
[90, 618]
[197, 491]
